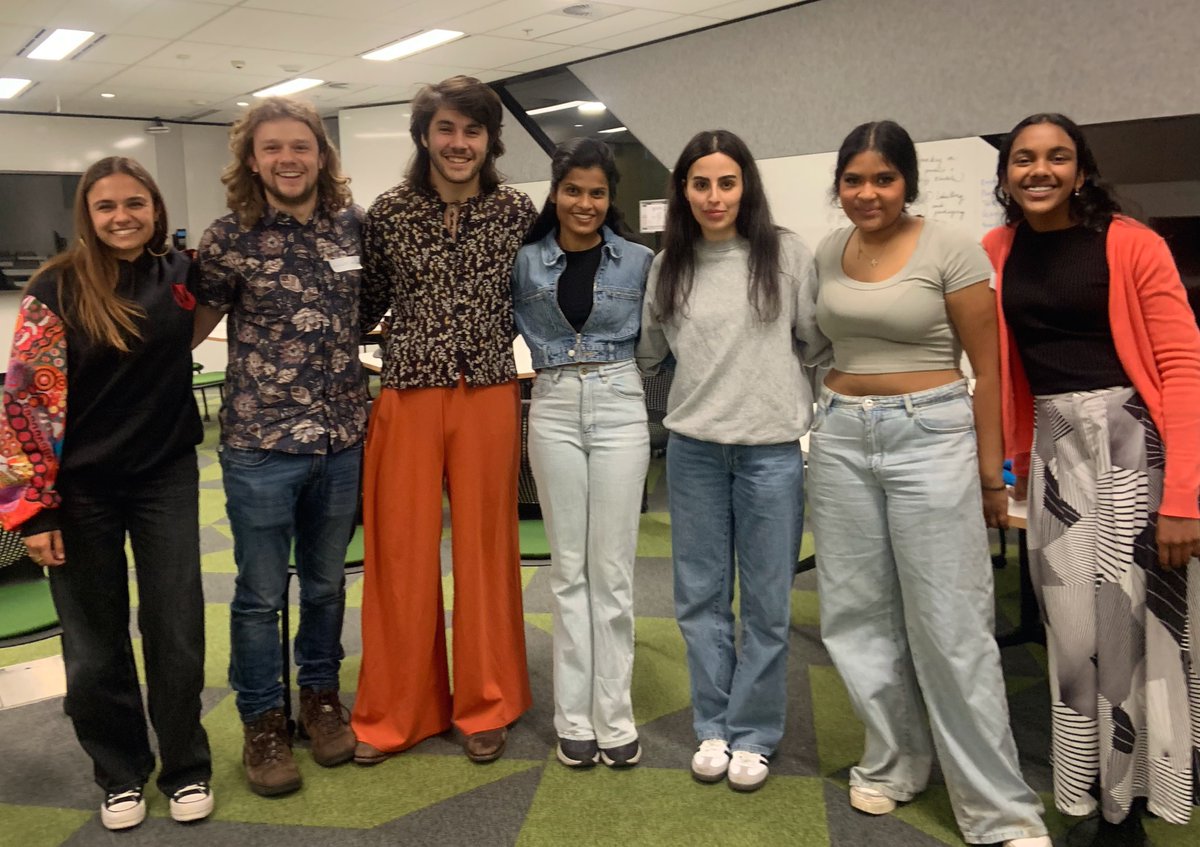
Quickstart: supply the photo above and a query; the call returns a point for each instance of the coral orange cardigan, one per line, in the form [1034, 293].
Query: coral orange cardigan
[1157, 341]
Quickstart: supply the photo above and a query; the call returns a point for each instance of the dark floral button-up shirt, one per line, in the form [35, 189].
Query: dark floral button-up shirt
[450, 296]
[291, 290]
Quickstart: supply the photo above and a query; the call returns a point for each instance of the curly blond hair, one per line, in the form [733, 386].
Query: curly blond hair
[243, 188]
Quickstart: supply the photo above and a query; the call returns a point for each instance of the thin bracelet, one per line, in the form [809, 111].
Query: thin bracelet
[1000, 487]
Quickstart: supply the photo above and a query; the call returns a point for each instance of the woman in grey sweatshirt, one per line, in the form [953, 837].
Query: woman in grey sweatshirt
[733, 297]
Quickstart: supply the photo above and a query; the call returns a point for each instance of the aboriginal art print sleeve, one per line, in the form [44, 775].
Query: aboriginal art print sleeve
[35, 414]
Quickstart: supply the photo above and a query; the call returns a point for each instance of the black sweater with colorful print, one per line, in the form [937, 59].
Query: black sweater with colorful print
[79, 409]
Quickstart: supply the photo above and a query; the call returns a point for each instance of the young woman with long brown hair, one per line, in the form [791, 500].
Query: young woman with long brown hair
[100, 446]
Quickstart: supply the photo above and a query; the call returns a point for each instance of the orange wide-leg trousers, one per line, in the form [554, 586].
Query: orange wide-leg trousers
[419, 437]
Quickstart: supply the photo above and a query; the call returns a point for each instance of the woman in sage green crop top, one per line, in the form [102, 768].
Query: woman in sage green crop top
[905, 465]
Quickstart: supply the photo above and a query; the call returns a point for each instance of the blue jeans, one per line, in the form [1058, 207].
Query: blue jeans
[905, 581]
[745, 503]
[589, 448]
[271, 498]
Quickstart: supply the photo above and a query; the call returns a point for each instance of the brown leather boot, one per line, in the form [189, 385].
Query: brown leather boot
[325, 722]
[267, 755]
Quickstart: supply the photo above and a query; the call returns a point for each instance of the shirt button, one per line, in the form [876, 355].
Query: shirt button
[571, 353]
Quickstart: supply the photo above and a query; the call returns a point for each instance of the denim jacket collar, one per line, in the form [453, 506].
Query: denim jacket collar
[551, 252]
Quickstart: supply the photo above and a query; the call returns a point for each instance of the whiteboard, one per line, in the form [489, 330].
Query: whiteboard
[957, 178]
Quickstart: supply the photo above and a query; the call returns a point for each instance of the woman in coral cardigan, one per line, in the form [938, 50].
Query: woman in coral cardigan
[1100, 348]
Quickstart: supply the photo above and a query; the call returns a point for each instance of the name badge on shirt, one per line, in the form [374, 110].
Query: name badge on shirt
[341, 264]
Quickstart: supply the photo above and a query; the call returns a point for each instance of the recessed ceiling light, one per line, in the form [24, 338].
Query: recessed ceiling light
[577, 126]
[545, 110]
[413, 44]
[11, 86]
[290, 87]
[60, 44]
[243, 103]
[592, 107]
[106, 95]
[615, 129]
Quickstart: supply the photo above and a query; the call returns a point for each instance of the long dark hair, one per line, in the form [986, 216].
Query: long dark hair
[88, 267]
[1092, 205]
[754, 223]
[583, 153]
[892, 142]
[465, 95]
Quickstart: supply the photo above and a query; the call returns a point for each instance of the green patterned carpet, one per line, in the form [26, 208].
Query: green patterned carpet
[432, 795]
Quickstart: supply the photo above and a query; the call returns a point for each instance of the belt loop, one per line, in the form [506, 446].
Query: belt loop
[908, 405]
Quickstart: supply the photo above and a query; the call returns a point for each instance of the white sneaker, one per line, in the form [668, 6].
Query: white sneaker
[123, 809]
[747, 771]
[192, 802]
[710, 762]
[1035, 841]
[870, 801]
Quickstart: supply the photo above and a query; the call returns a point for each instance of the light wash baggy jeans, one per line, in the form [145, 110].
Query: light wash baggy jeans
[907, 608]
[589, 447]
[745, 504]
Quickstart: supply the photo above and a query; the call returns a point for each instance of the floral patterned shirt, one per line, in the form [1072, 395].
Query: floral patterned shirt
[450, 296]
[294, 382]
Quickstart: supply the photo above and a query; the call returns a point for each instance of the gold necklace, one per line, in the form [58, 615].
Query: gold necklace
[874, 262]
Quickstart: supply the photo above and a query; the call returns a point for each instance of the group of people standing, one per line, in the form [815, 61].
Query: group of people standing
[1071, 315]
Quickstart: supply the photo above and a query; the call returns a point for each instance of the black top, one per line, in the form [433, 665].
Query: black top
[131, 413]
[1055, 301]
[575, 295]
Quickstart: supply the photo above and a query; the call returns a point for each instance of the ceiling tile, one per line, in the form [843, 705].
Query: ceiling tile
[214, 85]
[388, 73]
[678, 7]
[275, 31]
[741, 8]
[504, 14]
[538, 27]
[359, 10]
[13, 38]
[675, 26]
[608, 27]
[122, 49]
[31, 14]
[96, 15]
[486, 51]
[561, 57]
[171, 18]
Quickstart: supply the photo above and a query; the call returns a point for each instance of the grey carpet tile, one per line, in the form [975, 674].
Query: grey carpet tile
[854, 829]
[491, 815]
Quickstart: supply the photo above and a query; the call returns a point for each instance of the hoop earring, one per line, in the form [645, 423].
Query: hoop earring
[164, 252]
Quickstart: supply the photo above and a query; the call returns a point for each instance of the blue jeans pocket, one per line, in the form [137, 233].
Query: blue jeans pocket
[954, 415]
[244, 458]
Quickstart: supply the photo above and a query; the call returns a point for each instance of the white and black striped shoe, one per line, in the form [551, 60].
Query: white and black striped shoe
[123, 809]
[192, 802]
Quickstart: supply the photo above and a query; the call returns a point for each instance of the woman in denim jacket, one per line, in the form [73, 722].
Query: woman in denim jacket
[577, 291]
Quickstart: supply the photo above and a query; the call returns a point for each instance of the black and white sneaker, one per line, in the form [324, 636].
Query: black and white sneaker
[192, 802]
[123, 809]
[625, 756]
[578, 754]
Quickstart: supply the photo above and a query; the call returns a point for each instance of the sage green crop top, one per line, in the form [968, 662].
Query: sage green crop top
[899, 324]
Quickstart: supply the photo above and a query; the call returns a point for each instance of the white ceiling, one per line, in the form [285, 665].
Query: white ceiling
[175, 58]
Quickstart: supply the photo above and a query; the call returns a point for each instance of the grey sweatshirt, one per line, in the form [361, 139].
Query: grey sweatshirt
[737, 380]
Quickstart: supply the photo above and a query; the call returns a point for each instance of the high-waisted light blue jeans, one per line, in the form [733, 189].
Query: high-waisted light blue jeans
[589, 447]
[907, 609]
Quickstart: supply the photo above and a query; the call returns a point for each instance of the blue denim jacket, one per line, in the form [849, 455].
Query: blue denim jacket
[612, 327]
